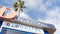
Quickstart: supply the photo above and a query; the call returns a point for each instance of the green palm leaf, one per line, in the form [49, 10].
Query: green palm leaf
[15, 4]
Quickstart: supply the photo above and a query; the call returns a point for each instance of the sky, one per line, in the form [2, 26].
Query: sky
[47, 11]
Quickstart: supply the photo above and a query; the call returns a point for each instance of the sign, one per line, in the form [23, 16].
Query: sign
[4, 11]
[32, 22]
[21, 27]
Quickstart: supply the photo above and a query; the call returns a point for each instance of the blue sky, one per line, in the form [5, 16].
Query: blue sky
[47, 11]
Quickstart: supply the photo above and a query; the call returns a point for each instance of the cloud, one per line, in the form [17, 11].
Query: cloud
[54, 14]
[24, 15]
[40, 4]
[33, 3]
[46, 5]
[42, 8]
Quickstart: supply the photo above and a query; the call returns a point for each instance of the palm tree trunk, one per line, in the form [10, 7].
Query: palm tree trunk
[19, 8]
[19, 11]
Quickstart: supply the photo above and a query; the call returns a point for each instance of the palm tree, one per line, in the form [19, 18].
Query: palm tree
[18, 6]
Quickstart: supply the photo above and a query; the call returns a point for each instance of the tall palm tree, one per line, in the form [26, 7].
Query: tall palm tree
[18, 6]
